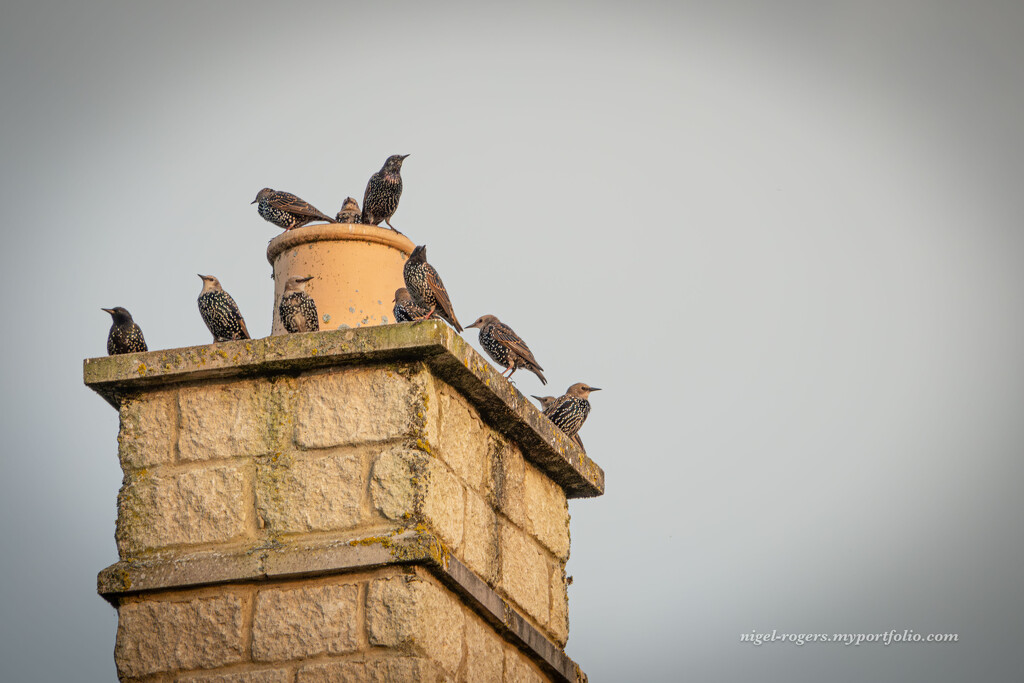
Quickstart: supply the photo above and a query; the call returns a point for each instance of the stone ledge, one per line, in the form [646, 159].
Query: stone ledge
[277, 561]
[447, 355]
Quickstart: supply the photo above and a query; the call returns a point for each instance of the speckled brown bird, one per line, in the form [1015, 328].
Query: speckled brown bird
[287, 211]
[297, 309]
[383, 190]
[125, 336]
[406, 310]
[426, 288]
[506, 347]
[220, 312]
[545, 401]
[349, 212]
[569, 411]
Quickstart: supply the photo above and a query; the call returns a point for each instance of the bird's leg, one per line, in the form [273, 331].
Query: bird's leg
[428, 314]
[393, 227]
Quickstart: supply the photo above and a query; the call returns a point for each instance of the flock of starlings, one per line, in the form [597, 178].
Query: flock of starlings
[424, 295]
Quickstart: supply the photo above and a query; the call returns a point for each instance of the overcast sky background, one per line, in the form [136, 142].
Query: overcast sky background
[784, 237]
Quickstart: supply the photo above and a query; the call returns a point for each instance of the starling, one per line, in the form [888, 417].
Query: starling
[426, 288]
[506, 347]
[349, 212]
[287, 211]
[297, 309]
[220, 312]
[568, 412]
[545, 401]
[380, 200]
[125, 336]
[406, 310]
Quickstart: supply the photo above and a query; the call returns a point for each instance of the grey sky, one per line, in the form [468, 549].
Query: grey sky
[784, 237]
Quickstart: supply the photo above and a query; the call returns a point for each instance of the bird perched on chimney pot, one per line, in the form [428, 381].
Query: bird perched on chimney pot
[406, 310]
[569, 411]
[349, 212]
[125, 336]
[383, 190]
[287, 211]
[220, 312]
[426, 288]
[297, 309]
[506, 347]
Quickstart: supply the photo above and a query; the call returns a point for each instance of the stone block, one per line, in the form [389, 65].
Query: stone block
[410, 486]
[525, 574]
[485, 660]
[149, 427]
[394, 482]
[464, 440]
[443, 505]
[306, 621]
[357, 405]
[547, 511]
[519, 669]
[414, 613]
[479, 549]
[297, 493]
[510, 494]
[226, 420]
[261, 676]
[384, 670]
[197, 506]
[156, 635]
[559, 624]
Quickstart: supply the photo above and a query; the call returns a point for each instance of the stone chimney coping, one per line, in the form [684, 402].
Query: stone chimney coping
[447, 355]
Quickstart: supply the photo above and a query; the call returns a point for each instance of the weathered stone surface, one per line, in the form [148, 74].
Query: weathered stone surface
[162, 635]
[479, 549]
[356, 405]
[457, 483]
[518, 669]
[559, 624]
[261, 676]
[385, 670]
[430, 345]
[413, 612]
[394, 482]
[300, 493]
[510, 492]
[410, 486]
[291, 623]
[443, 504]
[524, 572]
[547, 511]
[225, 420]
[464, 440]
[149, 426]
[485, 660]
[195, 506]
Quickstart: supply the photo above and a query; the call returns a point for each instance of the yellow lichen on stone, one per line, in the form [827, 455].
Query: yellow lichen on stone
[383, 541]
